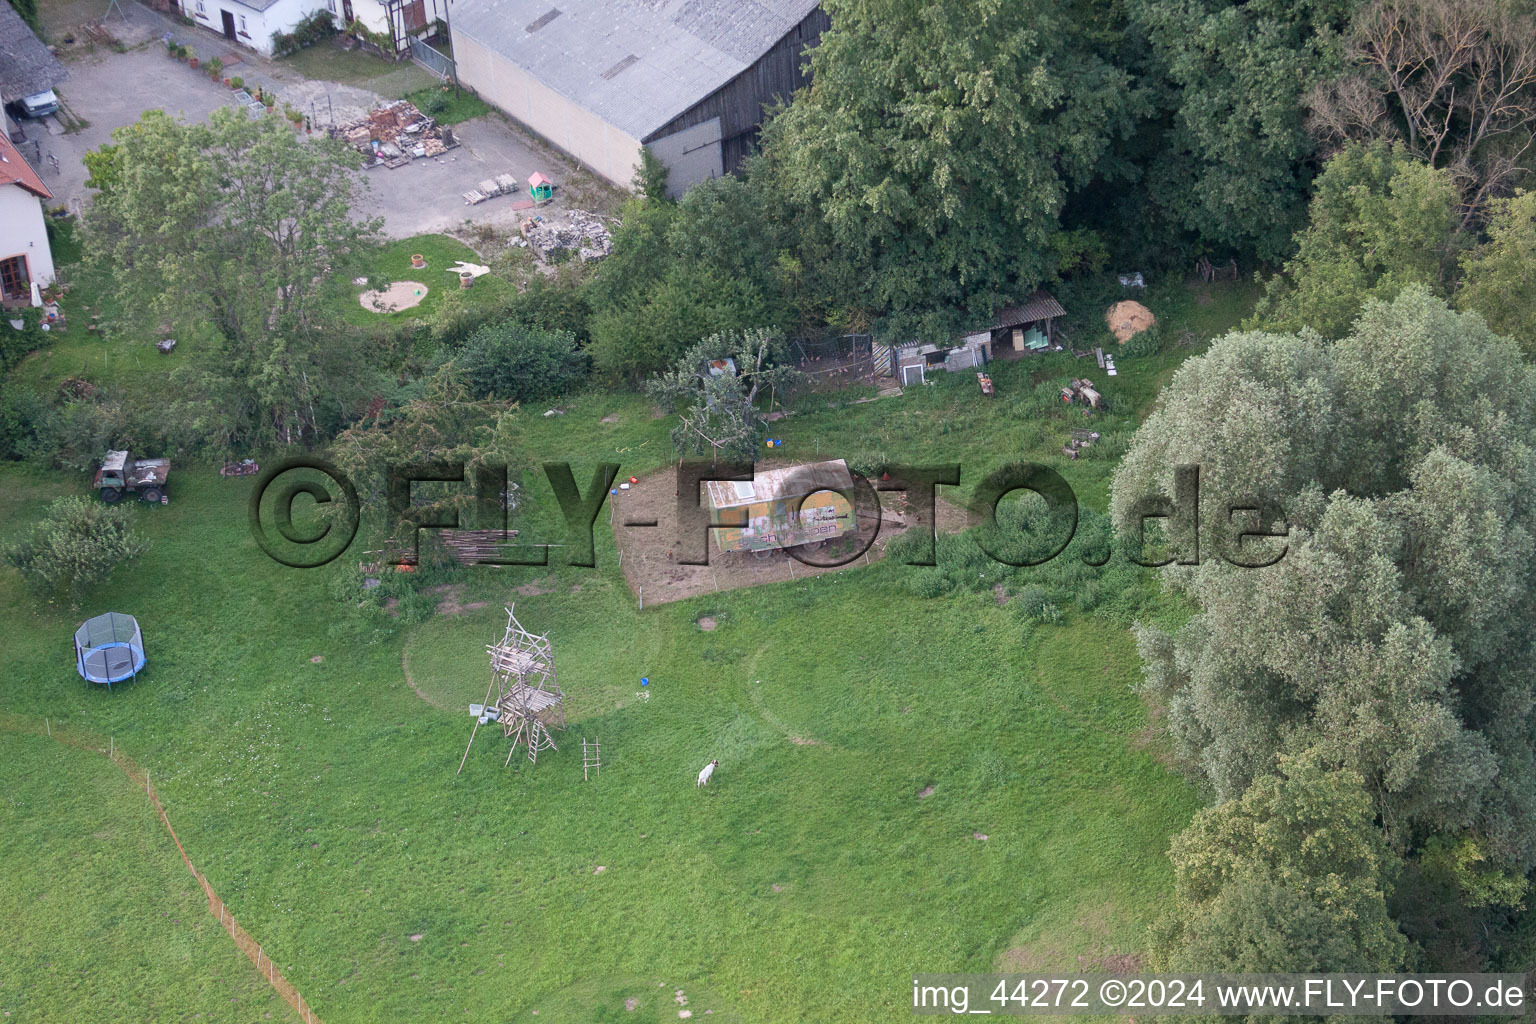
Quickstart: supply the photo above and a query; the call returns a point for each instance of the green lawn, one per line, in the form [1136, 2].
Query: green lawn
[131, 366]
[316, 789]
[391, 262]
[390, 79]
[99, 918]
[449, 105]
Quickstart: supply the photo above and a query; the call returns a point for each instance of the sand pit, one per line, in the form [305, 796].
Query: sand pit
[1128, 319]
[398, 296]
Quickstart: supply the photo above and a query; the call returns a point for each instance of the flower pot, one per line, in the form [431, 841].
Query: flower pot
[193, 62]
[466, 280]
[418, 261]
[226, 83]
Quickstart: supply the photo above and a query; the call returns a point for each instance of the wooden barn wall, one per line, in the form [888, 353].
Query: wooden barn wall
[739, 103]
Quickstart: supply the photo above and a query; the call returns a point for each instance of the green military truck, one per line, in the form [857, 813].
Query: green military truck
[119, 475]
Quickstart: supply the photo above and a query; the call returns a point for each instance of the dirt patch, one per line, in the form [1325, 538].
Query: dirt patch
[600, 869]
[981, 836]
[631, 1003]
[416, 938]
[801, 741]
[449, 596]
[925, 793]
[612, 417]
[451, 599]
[392, 606]
[1094, 926]
[317, 659]
[650, 552]
[999, 594]
[534, 590]
[1112, 963]
[398, 296]
[1128, 319]
[706, 623]
[777, 887]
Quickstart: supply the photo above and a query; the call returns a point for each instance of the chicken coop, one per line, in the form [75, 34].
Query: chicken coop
[782, 508]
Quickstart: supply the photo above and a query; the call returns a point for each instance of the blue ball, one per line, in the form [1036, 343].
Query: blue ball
[645, 682]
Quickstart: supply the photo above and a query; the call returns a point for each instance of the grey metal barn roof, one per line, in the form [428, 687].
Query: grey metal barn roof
[1039, 306]
[26, 66]
[636, 64]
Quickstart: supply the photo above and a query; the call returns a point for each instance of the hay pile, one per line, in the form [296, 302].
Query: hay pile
[1128, 319]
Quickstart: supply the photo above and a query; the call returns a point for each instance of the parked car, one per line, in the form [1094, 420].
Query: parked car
[37, 105]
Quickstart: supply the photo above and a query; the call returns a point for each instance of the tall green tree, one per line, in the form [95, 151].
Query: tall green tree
[933, 151]
[714, 261]
[1379, 221]
[1395, 634]
[1235, 164]
[1452, 81]
[235, 230]
[1291, 876]
[1497, 274]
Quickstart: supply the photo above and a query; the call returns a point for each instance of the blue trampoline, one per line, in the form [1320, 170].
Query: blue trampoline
[109, 649]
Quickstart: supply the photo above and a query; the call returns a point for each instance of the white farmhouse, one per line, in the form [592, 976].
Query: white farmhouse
[24, 253]
[392, 24]
[250, 23]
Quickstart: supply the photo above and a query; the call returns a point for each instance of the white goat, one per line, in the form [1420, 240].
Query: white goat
[704, 775]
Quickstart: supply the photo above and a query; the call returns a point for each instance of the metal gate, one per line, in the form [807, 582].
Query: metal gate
[439, 64]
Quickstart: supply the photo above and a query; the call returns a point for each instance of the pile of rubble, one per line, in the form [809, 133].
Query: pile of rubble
[582, 231]
[395, 134]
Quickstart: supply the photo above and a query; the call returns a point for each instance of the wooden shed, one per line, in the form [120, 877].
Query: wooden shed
[915, 360]
[1028, 327]
[767, 512]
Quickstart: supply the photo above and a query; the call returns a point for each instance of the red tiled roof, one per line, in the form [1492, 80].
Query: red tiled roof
[16, 171]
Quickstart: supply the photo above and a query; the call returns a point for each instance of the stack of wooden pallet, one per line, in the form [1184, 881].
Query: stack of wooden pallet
[490, 188]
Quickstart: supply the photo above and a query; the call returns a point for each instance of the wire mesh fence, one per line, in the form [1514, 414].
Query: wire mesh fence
[835, 361]
[84, 740]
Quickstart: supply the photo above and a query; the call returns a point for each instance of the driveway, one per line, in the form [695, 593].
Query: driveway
[107, 89]
[426, 195]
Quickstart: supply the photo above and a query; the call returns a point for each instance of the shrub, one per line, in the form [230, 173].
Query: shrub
[22, 411]
[523, 364]
[1147, 343]
[16, 342]
[316, 28]
[869, 463]
[77, 545]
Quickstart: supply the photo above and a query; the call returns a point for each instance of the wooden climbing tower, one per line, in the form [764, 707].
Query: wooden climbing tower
[528, 699]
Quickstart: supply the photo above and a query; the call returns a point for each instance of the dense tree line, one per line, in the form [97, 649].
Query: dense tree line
[1392, 642]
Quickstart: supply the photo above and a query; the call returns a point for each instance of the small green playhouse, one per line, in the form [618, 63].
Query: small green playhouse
[540, 187]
